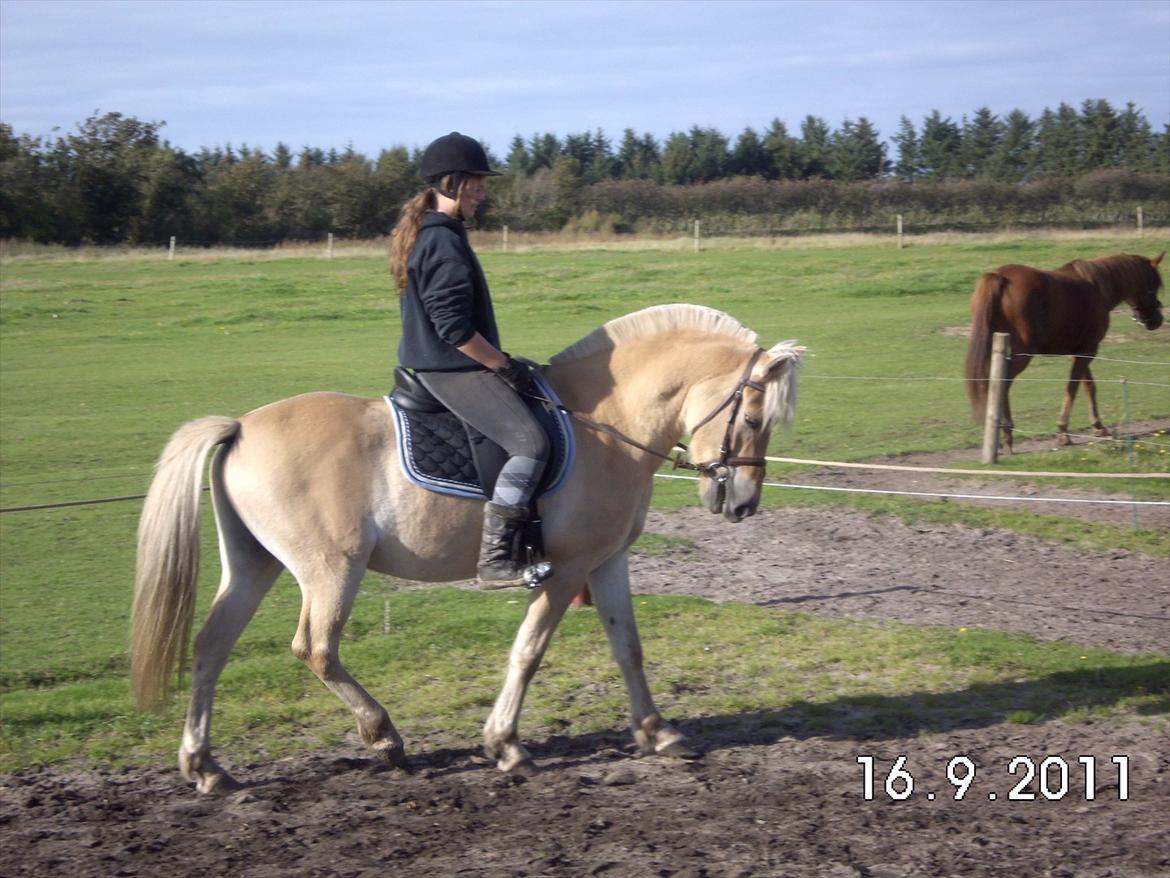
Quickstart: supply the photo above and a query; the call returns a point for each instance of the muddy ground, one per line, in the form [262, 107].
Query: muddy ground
[763, 798]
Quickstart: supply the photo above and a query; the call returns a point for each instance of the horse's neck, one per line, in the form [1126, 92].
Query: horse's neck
[641, 387]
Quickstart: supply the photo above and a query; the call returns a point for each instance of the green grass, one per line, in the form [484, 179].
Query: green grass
[102, 358]
[712, 665]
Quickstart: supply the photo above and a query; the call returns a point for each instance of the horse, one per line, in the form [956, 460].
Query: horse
[1065, 311]
[312, 484]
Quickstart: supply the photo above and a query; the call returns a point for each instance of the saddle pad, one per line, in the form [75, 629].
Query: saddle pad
[435, 451]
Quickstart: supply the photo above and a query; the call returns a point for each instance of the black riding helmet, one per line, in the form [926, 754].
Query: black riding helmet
[455, 154]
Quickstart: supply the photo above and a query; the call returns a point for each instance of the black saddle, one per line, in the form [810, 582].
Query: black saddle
[441, 452]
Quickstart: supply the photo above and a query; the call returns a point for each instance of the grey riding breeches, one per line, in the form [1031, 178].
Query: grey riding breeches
[487, 403]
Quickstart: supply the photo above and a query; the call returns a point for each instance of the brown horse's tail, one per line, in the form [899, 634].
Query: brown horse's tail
[984, 306]
[168, 557]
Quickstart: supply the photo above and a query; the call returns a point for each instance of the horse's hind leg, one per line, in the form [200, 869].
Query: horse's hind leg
[248, 574]
[610, 586]
[327, 599]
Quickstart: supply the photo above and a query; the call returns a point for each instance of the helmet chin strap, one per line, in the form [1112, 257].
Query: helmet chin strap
[456, 181]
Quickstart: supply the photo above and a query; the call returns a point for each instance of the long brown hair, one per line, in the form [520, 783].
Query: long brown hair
[405, 233]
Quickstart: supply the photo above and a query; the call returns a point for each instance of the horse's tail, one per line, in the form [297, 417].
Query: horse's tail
[168, 557]
[984, 306]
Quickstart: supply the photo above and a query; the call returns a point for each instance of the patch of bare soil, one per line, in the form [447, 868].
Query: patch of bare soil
[765, 798]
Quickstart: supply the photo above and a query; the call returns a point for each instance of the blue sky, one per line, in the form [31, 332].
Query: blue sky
[377, 74]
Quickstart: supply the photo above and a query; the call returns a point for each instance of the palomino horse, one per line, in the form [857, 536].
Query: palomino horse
[313, 484]
[1056, 312]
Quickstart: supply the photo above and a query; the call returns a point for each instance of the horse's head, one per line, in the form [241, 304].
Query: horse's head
[1147, 308]
[731, 420]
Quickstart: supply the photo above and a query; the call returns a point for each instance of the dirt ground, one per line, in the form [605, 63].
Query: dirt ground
[763, 798]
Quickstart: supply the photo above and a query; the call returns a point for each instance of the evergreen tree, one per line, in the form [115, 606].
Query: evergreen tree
[980, 140]
[678, 158]
[637, 157]
[518, 162]
[1059, 142]
[855, 153]
[784, 162]
[1135, 140]
[939, 147]
[543, 151]
[1012, 161]
[813, 150]
[909, 161]
[1100, 137]
[711, 154]
[749, 158]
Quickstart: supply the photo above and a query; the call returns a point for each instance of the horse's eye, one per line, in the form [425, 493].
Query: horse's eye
[751, 421]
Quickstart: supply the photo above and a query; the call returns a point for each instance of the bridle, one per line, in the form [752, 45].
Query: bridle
[718, 470]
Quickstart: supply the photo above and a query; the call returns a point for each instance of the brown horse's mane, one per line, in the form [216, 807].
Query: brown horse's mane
[650, 321]
[1114, 276]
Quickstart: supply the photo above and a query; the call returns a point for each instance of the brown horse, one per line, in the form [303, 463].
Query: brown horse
[1065, 311]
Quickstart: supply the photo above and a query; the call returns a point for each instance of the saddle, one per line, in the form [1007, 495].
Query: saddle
[442, 453]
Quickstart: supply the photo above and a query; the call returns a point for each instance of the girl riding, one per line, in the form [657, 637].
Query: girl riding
[450, 339]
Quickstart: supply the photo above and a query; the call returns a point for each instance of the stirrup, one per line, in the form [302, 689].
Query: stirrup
[537, 573]
[530, 577]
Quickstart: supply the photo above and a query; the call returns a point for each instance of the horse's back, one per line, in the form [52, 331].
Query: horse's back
[1053, 312]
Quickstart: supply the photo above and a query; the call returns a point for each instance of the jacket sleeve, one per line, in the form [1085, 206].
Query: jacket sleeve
[446, 289]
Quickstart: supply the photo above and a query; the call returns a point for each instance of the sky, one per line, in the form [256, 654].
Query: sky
[373, 75]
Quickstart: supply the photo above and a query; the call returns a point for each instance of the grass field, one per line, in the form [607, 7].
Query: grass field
[103, 356]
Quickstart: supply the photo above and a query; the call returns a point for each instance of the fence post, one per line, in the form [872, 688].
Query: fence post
[696, 236]
[1141, 223]
[505, 237]
[1000, 352]
[330, 245]
[171, 250]
[899, 231]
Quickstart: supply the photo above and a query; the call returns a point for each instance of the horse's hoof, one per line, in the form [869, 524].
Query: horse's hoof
[218, 784]
[677, 750]
[1063, 440]
[511, 759]
[395, 757]
[524, 768]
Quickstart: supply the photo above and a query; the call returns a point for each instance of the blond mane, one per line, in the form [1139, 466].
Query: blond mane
[651, 321]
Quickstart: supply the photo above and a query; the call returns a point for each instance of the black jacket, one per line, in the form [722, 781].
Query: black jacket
[446, 300]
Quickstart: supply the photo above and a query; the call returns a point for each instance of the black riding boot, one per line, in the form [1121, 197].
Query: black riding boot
[500, 553]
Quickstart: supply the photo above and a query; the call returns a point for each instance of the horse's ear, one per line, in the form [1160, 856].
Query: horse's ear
[782, 355]
[1157, 260]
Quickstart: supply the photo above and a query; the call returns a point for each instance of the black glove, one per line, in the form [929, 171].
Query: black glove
[518, 376]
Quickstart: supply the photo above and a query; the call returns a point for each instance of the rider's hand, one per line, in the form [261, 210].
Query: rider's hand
[517, 375]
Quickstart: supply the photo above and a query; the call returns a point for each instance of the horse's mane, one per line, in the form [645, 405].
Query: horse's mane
[1115, 276]
[650, 321]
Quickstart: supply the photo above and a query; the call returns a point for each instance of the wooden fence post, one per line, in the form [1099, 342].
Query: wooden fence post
[899, 231]
[696, 236]
[505, 237]
[1141, 223]
[171, 250]
[330, 245]
[1000, 352]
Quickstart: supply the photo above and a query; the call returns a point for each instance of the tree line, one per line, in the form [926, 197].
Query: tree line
[116, 180]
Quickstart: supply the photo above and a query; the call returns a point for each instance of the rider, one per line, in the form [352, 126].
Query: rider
[450, 339]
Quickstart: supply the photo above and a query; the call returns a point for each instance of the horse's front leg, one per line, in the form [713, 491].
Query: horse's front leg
[610, 587]
[501, 731]
[1091, 392]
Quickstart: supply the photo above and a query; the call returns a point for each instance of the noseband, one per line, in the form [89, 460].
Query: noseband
[720, 469]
